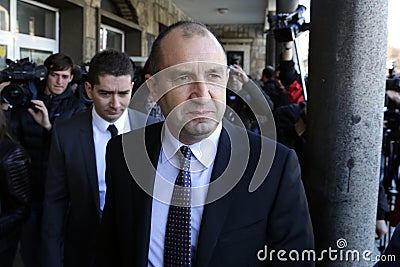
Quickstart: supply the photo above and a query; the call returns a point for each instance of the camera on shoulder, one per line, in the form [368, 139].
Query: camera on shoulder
[22, 75]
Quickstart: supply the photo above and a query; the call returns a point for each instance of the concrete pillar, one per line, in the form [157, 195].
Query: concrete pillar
[345, 113]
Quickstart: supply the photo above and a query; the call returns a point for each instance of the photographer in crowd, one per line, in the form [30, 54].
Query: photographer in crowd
[290, 117]
[247, 99]
[268, 82]
[32, 125]
[288, 75]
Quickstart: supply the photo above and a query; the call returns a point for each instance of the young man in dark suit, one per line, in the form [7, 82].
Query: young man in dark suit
[235, 196]
[75, 186]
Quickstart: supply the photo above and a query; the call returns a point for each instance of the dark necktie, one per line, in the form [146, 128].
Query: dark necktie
[177, 247]
[113, 130]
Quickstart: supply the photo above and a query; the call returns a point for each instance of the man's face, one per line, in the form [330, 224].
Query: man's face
[191, 86]
[111, 96]
[57, 81]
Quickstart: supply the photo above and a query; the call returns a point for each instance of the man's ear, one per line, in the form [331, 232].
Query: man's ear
[88, 88]
[153, 87]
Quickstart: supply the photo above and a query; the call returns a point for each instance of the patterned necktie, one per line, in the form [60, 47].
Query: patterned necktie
[113, 130]
[177, 247]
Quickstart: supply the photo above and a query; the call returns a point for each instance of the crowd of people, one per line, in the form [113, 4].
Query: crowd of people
[99, 183]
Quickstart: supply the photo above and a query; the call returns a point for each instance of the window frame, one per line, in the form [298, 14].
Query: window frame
[15, 40]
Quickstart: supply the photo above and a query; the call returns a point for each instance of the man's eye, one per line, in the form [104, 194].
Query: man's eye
[105, 93]
[182, 78]
[214, 76]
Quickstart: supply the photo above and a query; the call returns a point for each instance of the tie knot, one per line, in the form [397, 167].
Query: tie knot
[185, 157]
[186, 152]
[113, 130]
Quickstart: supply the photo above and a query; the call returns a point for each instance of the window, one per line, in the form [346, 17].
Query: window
[111, 38]
[27, 29]
[37, 56]
[5, 15]
[35, 21]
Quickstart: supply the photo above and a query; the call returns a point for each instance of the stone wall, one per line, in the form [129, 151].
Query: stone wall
[254, 32]
[151, 13]
[90, 39]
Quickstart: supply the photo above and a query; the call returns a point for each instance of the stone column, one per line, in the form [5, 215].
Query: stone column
[345, 113]
[91, 33]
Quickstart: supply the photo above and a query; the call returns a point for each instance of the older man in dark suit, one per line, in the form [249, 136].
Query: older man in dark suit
[197, 190]
[75, 186]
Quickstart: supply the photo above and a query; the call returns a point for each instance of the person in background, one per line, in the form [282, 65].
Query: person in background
[392, 252]
[277, 94]
[291, 124]
[32, 126]
[247, 100]
[75, 186]
[288, 75]
[15, 192]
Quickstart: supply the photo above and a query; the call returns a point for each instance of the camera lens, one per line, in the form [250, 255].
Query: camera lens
[13, 94]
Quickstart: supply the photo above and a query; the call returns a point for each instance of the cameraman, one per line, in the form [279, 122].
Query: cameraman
[55, 101]
[248, 100]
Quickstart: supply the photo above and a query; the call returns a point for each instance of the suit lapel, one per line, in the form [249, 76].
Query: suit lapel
[87, 147]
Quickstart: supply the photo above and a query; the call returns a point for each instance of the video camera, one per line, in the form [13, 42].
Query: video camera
[78, 83]
[22, 74]
[288, 26]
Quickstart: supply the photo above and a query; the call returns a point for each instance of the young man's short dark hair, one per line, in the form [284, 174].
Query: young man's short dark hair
[110, 62]
[59, 62]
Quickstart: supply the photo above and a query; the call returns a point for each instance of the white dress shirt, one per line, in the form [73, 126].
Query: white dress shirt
[100, 137]
[201, 165]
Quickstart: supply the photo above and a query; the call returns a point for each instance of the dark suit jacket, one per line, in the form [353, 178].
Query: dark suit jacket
[233, 229]
[391, 255]
[71, 212]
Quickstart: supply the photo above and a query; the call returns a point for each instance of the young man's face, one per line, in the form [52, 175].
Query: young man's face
[191, 87]
[57, 81]
[111, 96]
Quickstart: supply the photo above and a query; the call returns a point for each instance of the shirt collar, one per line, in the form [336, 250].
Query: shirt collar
[204, 151]
[102, 124]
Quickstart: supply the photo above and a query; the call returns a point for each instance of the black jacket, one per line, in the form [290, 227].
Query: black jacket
[35, 139]
[278, 96]
[234, 228]
[14, 189]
